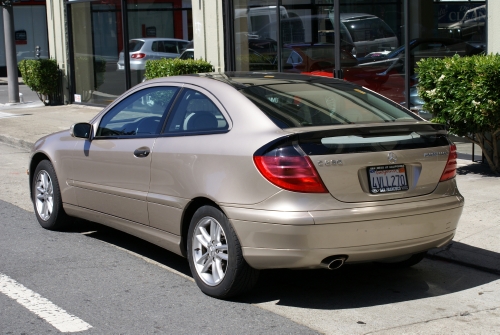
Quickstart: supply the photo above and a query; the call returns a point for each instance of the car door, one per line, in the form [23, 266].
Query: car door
[111, 172]
[180, 168]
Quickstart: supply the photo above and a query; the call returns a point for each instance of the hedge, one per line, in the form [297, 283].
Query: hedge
[41, 76]
[167, 67]
[464, 93]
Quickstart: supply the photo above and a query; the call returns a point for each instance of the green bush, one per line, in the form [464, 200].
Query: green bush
[166, 67]
[41, 76]
[464, 92]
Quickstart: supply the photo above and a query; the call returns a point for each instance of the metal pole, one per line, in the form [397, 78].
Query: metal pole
[279, 36]
[126, 55]
[406, 11]
[338, 39]
[10, 52]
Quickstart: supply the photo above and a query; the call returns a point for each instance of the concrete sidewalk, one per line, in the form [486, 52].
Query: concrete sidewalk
[477, 240]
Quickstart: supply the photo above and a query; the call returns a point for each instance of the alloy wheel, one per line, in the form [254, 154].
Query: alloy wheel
[210, 251]
[44, 195]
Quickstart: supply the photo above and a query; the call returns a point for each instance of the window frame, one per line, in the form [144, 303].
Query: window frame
[117, 104]
[212, 98]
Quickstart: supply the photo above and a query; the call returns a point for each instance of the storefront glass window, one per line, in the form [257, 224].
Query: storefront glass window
[374, 33]
[372, 49]
[156, 29]
[255, 36]
[96, 41]
[455, 28]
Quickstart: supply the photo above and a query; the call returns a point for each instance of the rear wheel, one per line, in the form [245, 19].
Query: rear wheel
[47, 197]
[215, 255]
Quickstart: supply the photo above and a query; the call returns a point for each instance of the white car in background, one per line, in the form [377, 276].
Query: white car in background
[150, 48]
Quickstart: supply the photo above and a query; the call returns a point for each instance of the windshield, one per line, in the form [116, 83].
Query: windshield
[368, 28]
[317, 104]
[135, 45]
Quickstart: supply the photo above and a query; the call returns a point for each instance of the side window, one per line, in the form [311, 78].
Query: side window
[154, 46]
[195, 112]
[469, 15]
[161, 47]
[182, 46]
[170, 47]
[140, 114]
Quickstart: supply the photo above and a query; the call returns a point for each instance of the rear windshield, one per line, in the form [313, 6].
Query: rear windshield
[317, 104]
[135, 45]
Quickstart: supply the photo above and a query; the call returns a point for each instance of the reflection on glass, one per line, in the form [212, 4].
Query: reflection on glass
[456, 29]
[256, 35]
[372, 39]
[96, 38]
[157, 29]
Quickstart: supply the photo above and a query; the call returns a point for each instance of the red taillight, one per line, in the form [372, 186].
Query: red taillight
[295, 173]
[450, 169]
[138, 55]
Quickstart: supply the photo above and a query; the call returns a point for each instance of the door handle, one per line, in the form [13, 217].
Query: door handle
[142, 152]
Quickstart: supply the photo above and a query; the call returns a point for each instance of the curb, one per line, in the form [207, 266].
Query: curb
[466, 255]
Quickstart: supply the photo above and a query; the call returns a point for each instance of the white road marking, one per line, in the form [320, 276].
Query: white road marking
[42, 307]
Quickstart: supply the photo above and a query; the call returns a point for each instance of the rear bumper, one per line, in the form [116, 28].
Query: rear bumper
[304, 239]
[134, 65]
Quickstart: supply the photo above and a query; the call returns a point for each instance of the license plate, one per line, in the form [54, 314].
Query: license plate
[387, 178]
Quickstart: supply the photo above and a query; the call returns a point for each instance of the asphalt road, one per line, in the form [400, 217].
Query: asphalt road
[118, 284]
[90, 273]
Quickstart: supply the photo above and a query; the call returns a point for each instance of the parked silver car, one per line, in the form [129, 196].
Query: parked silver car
[144, 49]
[246, 171]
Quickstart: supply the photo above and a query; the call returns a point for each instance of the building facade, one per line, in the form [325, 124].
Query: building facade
[369, 39]
[30, 25]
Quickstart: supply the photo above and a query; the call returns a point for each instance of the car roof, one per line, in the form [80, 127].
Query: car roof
[242, 80]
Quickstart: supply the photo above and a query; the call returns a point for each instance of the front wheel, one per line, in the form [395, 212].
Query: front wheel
[47, 197]
[215, 255]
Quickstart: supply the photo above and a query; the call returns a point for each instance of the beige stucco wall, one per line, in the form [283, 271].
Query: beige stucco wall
[58, 46]
[493, 7]
[208, 32]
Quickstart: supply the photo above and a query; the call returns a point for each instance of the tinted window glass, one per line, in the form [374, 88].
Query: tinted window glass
[135, 45]
[182, 46]
[195, 112]
[170, 47]
[154, 46]
[304, 105]
[138, 115]
[187, 55]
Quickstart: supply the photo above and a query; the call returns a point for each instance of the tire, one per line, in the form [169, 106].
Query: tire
[412, 260]
[46, 197]
[218, 268]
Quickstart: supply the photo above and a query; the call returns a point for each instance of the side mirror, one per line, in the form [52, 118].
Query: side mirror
[81, 130]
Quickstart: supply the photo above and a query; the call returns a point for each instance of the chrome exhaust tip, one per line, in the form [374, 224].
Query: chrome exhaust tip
[333, 262]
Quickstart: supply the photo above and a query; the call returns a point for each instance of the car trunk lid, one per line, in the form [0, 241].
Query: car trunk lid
[377, 162]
